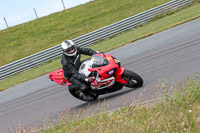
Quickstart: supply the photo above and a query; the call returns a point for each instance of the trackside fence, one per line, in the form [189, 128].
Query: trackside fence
[91, 38]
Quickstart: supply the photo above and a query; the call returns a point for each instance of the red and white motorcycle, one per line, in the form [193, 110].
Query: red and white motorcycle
[108, 75]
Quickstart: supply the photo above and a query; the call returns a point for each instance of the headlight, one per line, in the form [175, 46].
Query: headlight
[111, 72]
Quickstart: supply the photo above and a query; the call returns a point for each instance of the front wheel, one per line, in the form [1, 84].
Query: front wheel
[133, 79]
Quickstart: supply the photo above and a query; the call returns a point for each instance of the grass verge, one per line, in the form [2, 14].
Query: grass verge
[177, 114]
[29, 38]
[159, 24]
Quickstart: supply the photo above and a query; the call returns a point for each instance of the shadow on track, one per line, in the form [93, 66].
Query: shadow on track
[101, 100]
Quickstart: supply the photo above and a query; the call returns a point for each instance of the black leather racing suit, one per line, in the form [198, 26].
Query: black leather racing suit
[71, 65]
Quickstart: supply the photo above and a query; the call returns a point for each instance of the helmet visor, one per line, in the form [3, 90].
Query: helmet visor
[70, 50]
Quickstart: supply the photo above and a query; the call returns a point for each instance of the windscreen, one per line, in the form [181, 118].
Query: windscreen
[98, 61]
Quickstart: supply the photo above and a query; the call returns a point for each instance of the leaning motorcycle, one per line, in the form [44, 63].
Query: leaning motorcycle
[108, 76]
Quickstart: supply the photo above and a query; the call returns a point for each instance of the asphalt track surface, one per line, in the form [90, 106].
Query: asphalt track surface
[171, 55]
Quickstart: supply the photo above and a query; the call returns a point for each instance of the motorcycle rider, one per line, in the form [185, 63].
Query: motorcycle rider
[71, 63]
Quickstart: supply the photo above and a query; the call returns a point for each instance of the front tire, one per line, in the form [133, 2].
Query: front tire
[130, 76]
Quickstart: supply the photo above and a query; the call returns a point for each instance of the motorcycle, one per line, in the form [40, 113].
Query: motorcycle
[108, 76]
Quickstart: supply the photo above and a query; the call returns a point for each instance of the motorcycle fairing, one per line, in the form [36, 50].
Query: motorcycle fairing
[84, 68]
[57, 76]
[101, 84]
[118, 75]
[113, 64]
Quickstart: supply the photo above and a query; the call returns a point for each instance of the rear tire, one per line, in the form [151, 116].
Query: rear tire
[131, 76]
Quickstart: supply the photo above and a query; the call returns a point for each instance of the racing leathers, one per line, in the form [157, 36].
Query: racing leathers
[71, 66]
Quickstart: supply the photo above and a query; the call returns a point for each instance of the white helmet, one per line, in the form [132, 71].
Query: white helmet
[69, 48]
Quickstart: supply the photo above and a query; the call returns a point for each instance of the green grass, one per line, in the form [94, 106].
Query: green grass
[159, 24]
[179, 113]
[25, 39]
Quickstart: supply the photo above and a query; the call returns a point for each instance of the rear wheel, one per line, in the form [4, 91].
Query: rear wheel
[133, 79]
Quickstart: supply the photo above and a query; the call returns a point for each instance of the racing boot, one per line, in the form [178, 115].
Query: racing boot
[86, 97]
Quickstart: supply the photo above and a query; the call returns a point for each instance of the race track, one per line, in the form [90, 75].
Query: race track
[171, 55]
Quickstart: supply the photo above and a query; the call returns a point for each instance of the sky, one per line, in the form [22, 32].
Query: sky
[20, 11]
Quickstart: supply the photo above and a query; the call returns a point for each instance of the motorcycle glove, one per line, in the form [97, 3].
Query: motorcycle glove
[90, 79]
